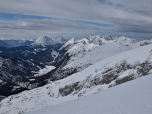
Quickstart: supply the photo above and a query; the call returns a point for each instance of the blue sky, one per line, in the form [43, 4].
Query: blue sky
[30, 19]
[9, 17]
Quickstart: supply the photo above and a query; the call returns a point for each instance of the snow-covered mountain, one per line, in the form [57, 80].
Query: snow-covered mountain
[90, 42]
[125, 41]
[76, 55]
[36, 50]
[114, 68]
[45, 41]
[133, 97]
[60, 40]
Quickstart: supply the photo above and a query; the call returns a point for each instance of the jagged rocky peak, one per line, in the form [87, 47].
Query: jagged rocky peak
[98, 39]
[125, 40]
[92, 37]
[86, 44]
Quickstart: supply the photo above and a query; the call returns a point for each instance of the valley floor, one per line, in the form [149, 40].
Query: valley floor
[133, 97]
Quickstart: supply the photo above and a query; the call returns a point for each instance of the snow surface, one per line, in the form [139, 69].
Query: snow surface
[50, 95]
[100, 53]
[125, 41]
[90, 42]
[44, 70]
[133, 97]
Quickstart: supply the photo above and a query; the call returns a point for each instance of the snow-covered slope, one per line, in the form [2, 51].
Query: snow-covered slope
[82, 60]
[86, 44]
[125, 41]
[76, 55]
[106, 73]
[97, 54]
[90, 42]
[130, 98]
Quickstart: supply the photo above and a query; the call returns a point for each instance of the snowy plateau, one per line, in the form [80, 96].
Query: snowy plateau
[93, 75]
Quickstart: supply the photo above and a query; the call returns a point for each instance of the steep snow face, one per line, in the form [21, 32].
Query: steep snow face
[130, 98]
[69, 44]
[106, 73]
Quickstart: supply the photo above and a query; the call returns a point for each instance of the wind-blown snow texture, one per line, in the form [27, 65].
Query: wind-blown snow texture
[104, 74]
[130, 98]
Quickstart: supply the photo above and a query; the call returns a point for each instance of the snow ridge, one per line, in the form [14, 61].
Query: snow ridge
[90, 42]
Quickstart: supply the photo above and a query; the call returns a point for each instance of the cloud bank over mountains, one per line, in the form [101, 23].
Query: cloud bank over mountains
[70, 18]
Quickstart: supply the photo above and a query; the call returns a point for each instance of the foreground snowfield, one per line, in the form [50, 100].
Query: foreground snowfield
[133, 97]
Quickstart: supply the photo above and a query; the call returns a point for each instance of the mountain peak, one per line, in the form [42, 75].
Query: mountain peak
[42, 39]
[59, 37]
[45, 41]
[125, 40]
[69, 43]
[60, 40]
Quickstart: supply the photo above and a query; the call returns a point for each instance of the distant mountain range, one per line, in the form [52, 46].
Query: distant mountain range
[32, 51]
[15, 43]
[40, 41]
